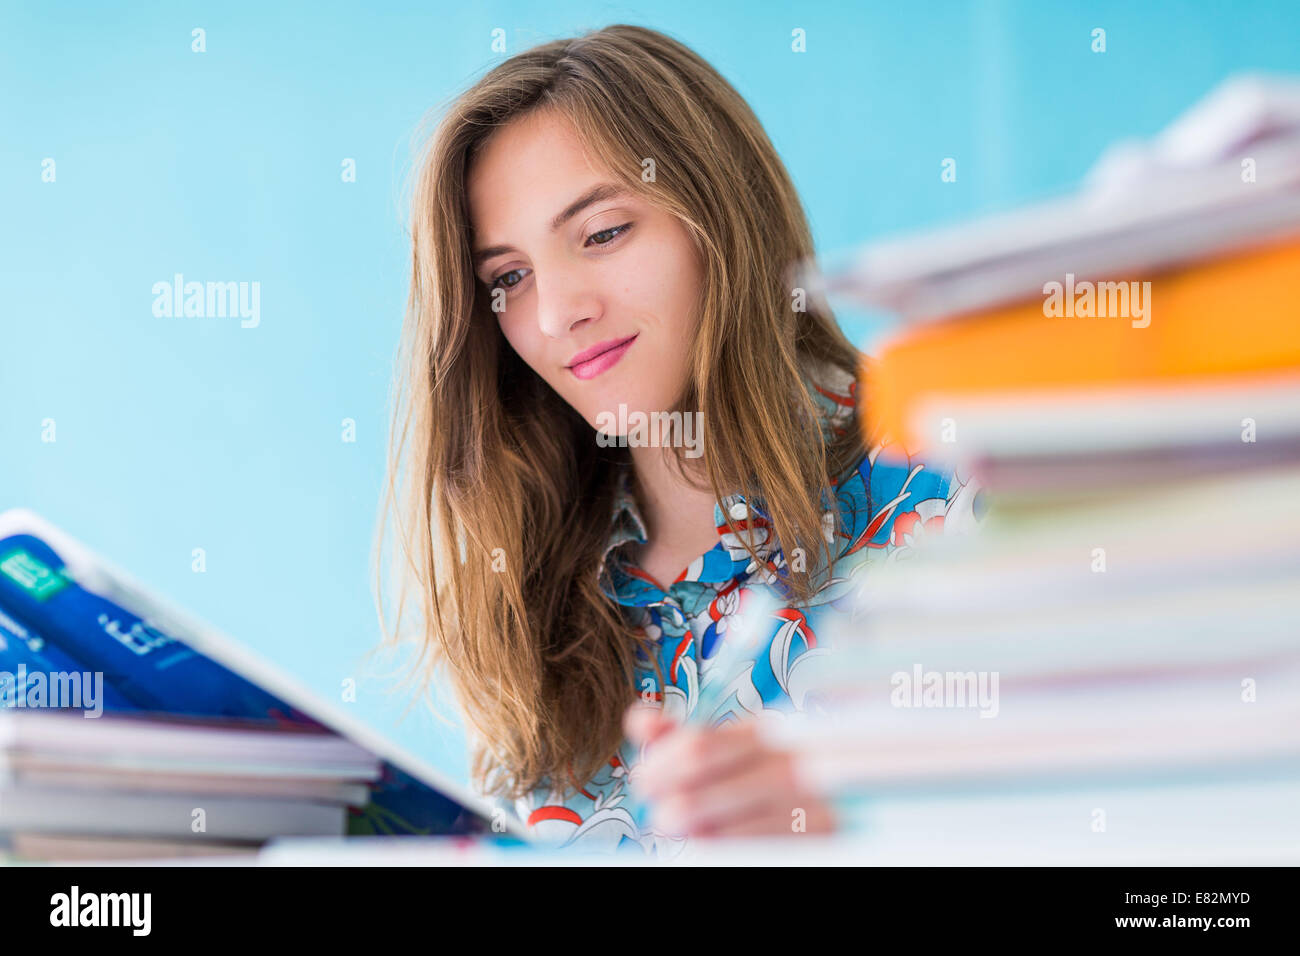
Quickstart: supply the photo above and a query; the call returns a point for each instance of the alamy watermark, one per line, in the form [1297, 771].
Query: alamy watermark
[64, 690]
[129, 910]
[1070, 299]
[949, 689]
[651, 430]
[200, 300]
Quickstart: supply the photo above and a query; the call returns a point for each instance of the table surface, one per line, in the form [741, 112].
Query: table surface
[1250, 822]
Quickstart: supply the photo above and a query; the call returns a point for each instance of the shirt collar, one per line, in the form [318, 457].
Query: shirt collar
[834, 392]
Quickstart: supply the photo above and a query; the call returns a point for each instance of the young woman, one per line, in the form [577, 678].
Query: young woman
[603, 234]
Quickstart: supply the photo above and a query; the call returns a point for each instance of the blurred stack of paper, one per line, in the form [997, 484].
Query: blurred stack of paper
[74, 787]
[1223, 176]
[1120, 373]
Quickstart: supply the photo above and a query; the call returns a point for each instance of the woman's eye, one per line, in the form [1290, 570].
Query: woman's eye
[606, 236]
[498, 284]
[602, 238]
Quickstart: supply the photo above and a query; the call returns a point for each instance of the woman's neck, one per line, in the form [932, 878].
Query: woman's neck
[679, 518]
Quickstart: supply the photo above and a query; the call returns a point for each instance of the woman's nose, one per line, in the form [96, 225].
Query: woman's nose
[565, 302]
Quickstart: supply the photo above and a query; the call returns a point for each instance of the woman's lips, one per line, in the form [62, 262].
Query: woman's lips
[593, 366]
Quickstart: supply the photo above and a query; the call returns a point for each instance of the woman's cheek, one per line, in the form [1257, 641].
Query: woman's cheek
[526, 346]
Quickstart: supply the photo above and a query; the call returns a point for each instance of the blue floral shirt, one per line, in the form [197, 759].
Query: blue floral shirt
[884, 504]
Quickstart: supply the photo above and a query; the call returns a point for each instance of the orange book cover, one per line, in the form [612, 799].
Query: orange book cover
[1228, 316]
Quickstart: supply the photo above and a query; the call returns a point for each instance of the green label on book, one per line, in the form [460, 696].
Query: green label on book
[32, 574]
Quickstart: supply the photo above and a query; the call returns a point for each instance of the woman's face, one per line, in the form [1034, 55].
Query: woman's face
[598, 287]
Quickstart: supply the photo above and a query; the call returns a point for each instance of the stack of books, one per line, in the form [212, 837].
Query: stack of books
[130, 731]
[125, 787]
[1119, 371]
[1172, 270]
[1076, 640]
[1224, 176]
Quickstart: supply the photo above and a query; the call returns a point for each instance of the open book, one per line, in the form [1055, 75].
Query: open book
[65, 610]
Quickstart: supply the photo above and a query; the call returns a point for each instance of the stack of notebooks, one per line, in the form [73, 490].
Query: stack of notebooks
[128, 730]
[1119, 371]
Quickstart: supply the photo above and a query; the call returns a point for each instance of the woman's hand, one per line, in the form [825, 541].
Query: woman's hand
[720, 782]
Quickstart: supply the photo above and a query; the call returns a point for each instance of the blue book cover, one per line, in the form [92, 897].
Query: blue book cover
[26, 659]
[153, 670]
[63, 609]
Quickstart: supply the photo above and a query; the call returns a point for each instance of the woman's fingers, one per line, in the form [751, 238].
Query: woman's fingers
[645, 724]
[719, 782]
[797, 814]
[748, 796]
[692, 757]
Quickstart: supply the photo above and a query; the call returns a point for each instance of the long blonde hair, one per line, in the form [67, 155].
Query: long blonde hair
[499, 493]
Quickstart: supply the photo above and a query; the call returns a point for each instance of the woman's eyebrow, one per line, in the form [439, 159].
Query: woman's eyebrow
[591, 196]
[594, 195]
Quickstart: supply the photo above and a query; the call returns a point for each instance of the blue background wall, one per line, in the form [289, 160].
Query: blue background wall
[174, 434]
